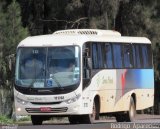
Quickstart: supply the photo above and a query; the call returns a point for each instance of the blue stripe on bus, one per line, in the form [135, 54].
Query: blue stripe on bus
[139, 78]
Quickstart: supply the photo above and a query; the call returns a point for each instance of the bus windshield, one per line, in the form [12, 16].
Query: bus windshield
[47, 67]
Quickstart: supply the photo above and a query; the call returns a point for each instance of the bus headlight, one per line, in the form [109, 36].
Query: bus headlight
[21, 101]
[71, 100]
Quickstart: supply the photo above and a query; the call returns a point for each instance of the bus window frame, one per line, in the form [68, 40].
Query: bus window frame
[122, 44]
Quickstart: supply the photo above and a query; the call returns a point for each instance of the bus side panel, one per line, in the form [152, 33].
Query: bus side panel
[107, 90]
[137, 81]
[102, 84]
[115, 88]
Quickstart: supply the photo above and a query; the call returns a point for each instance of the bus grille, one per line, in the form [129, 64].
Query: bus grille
[51, 110]
[45, 103]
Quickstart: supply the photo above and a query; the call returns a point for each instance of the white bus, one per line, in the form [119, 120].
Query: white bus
[82, 74]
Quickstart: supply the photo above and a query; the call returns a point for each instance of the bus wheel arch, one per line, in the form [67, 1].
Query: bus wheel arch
[90, 118]
[95, 110]
[134, 98]
[128, 116]
[97, 104]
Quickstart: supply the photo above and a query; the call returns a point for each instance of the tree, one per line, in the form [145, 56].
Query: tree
[102, 13]
[11, 33]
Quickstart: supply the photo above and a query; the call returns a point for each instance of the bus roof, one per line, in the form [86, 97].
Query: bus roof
[95, 32]
[78, 37]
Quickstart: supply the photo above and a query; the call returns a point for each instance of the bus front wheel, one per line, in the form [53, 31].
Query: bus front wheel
[36, 120]
[74, 119]
[90, 118]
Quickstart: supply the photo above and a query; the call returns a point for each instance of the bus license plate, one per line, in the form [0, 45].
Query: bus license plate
[45, 109]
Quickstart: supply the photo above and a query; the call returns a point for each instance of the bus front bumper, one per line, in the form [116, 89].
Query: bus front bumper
[57, 109]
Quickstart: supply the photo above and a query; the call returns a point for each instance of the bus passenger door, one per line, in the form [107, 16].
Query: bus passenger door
[87, 65]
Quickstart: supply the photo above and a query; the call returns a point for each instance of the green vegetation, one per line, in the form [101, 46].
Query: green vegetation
[25, 118]
[11, 33]
[5, 120]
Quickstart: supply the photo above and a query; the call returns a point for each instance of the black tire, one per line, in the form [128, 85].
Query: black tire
[90, 118]
[74, 119]
[86, 119]
[120, 118]
[132, 111]
[36, 120]
[130, 115]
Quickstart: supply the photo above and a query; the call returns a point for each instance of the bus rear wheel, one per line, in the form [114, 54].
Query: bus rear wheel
[130, 115]
[132, 111]
[120, 118]
[36, 120]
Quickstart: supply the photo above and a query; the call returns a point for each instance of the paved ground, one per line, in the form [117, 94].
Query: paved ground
[142, 121]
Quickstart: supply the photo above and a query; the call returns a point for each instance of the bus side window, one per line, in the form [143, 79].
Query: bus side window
[117, 54]
[146, 56]
[136, 56]
[100, 56]
[149, 51]
[108, 56]
[127, 56]
[95, 56]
